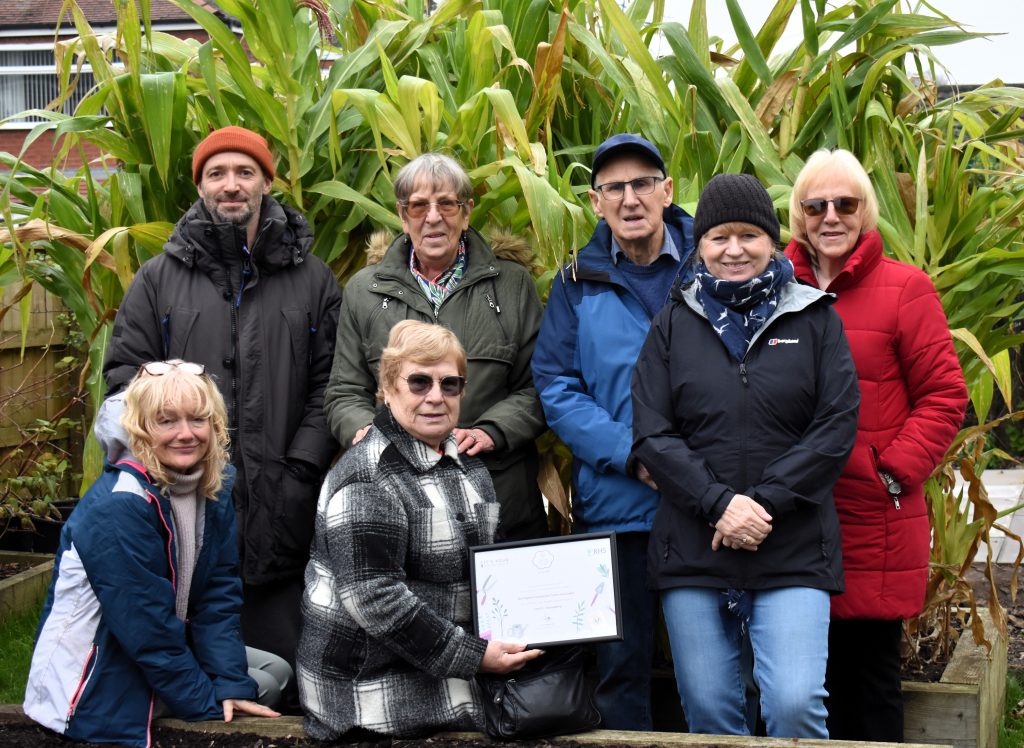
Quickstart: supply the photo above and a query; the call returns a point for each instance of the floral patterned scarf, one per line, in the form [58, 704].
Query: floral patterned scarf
[437, 290]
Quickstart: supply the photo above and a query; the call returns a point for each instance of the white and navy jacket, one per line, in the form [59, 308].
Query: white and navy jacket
[109, 642]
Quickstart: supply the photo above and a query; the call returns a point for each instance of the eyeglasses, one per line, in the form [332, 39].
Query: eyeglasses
[617, 190]
[420, 208]
[817, 206]
[159, 368]
[421, 384]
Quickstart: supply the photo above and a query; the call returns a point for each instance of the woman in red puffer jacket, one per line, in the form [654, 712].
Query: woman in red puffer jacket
[913, 399]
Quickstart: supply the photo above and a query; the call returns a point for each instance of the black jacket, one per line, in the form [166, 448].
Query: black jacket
[268, 343]
[777, 427]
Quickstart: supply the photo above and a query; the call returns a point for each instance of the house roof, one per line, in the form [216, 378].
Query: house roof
[44, 13]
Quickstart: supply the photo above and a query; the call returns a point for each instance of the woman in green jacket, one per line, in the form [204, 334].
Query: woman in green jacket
[441, 270]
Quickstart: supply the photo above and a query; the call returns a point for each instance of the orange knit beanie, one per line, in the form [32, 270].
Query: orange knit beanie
[233, 138]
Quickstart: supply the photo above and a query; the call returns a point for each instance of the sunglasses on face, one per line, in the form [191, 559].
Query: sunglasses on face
[420, 208]
[421, 384]
[159, 368]
[617, 190]
[818, 206]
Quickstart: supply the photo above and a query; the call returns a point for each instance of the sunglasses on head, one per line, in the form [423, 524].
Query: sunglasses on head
[421, 384]
[159, 368]
[817, 206]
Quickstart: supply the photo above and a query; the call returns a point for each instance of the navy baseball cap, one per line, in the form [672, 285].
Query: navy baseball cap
[621, 144]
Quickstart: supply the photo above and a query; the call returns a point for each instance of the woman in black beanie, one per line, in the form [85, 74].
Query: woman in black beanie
[744, 411]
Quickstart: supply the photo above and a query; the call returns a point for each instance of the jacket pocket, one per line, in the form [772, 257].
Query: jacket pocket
[83, 682]
[293, 519]
[437, 544]
[300, 334]
[883, 490]
[175, 330]
[493, 353]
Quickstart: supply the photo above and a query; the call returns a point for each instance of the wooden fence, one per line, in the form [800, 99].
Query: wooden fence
[36, 386]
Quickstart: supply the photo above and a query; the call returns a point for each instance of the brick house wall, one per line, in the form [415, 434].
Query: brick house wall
[28, 29]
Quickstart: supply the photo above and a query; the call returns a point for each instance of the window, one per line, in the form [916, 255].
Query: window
[28, 80]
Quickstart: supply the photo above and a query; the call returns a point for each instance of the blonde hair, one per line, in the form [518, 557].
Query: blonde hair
[421, 342]
[148, 396]
[821, 165]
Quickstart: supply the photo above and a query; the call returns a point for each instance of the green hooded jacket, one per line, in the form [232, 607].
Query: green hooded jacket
[496, 313]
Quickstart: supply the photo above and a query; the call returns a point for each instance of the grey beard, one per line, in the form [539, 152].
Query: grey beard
[239, 219]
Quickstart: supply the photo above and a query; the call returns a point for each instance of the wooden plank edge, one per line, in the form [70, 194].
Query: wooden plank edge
[24, 590]
[292, 727]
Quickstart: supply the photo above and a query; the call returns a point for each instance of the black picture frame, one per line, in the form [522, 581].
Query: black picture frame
[563, 571]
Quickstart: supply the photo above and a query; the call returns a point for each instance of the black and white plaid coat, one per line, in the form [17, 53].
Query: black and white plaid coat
[386, 642]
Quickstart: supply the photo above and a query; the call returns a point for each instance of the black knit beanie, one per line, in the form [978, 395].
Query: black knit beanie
[732, 198]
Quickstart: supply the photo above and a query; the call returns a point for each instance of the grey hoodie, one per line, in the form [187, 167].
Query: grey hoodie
[110, 432]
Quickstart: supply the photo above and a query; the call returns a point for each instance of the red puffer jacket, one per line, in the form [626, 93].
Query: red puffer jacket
[913, 399]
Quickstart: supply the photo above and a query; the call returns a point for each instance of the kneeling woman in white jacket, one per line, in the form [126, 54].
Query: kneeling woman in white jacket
[142, 616]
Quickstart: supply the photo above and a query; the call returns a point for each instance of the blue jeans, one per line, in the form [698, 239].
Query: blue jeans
[624, 667]
[789, 634]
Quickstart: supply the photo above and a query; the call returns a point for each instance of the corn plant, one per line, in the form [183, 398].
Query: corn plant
[962, 519]
[522, 91]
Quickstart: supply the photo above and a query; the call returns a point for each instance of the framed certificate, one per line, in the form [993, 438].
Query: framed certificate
[556, 591]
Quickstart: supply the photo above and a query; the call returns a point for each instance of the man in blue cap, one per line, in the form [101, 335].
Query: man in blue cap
[596, 319]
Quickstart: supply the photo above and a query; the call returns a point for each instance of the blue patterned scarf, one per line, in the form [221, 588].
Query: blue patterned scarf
[738, 309]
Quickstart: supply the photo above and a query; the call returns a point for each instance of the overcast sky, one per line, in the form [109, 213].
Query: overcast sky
[976, 61]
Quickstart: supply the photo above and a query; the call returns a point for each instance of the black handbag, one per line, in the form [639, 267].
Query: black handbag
[550, 696]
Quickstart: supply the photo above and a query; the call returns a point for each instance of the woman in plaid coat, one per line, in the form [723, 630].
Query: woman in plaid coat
[386, 644]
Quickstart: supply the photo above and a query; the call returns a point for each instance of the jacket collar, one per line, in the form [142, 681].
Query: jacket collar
[283, 238]
[594, 261]
[864, 258]
[420, 456]
[793, 298]
[480, 261]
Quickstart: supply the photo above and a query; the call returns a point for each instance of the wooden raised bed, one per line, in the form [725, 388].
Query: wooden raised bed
[288, 731]
[24, 590]
[290, 728]
[964, 708]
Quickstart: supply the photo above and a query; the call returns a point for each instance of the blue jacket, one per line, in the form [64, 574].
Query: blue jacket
[589, 339]
[109, 642]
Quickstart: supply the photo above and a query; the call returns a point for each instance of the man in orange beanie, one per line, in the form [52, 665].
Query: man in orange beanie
[237, 289]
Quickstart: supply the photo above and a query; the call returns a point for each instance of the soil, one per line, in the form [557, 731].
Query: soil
[1014, 612]
[10, 569]
[27, 735]
[932, 671]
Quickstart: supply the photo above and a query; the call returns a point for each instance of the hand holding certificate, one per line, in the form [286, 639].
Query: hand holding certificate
[556, 591]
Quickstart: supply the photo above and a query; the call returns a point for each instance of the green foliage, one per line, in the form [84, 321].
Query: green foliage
[1011, 729]
[35, 475]
[961, 520]
[347, 91]
[17, 638]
